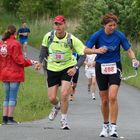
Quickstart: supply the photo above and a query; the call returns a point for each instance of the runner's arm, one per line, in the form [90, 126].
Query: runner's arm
[80, 60]
[43, 53]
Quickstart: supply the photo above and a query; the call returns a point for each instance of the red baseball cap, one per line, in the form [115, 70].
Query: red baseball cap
[59, 19]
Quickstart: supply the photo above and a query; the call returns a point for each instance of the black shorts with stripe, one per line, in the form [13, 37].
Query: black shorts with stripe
[104, 81]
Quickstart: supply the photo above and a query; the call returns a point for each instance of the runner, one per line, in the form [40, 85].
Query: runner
[74, 81]
[107, 75]
[12, 65]
[60, 67]
[57, 48]
[90, 74]
[23, 33]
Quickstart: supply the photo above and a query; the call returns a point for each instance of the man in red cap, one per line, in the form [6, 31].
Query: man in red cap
[59, 19]
[61, 65]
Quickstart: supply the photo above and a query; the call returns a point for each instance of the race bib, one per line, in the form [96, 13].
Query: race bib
[109, 68]
[3, 50]
[58, 56]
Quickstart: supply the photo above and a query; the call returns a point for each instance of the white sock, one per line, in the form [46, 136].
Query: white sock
[93, 94]
[63, 116]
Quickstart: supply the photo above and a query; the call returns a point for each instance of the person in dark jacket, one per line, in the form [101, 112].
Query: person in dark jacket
[12, 63]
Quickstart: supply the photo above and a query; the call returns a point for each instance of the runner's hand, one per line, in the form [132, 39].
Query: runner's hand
[25, 34]
[38, 66]
[34, 62]
[101, 50]
[72, 71]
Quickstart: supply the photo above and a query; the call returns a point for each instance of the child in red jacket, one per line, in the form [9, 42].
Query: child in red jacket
[12, 63]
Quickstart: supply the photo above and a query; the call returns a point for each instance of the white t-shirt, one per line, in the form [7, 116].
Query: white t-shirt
[90, 59]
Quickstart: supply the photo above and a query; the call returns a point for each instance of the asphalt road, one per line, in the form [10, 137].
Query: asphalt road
[84, 117]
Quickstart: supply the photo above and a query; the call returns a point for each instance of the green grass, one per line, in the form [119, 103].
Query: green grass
[32, 102]
[38, 29]
[7, 19]
[129, 70]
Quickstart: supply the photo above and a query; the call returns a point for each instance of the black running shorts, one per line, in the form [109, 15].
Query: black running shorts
[75, 77]
[104, 81]
[55, 78]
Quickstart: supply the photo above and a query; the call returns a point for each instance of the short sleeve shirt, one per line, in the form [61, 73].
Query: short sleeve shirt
[90, 59]
[23, 30]
[112, 42]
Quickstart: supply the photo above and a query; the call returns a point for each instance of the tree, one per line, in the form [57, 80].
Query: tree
[69, 8]
[91, 12]
[33, 9]
[128, 12]
[135, 14]
[11, 5]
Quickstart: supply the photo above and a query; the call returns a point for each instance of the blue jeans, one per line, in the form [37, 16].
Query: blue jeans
[11, 90]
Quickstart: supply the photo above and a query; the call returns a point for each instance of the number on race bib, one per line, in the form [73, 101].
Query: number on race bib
[109, 68]
[59, 56]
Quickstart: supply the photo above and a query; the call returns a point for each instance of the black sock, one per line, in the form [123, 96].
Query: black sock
[106, 122]
[5, 118]
[113, 123]
[10, 118]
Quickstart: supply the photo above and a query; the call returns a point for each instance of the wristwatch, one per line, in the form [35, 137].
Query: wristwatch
[76, 67]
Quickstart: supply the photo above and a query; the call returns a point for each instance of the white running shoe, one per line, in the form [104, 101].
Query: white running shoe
[64, 125]
[113, 131]
[105, 131]
[53, 113]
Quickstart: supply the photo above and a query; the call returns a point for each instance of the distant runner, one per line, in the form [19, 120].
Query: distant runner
[74, 80]
[90, 74]
[23, 33]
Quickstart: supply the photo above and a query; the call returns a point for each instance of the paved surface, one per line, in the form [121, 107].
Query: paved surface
[84, 117]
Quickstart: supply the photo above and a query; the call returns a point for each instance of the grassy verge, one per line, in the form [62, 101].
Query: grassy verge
[32, 102]
[129, 70]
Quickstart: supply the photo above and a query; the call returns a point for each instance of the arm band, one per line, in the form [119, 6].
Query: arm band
[43, 53]
[81, 60]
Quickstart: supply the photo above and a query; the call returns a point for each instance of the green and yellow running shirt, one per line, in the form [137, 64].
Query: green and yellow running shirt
[60, 53]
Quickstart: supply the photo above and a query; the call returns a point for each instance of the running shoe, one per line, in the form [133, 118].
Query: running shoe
[12, 122]
[105, 131]
[93, 96]
[4, 122]
[113, 131]
[53, 113]
[64, 125]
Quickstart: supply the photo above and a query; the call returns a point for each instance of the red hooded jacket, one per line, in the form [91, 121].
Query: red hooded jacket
[12, 61]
